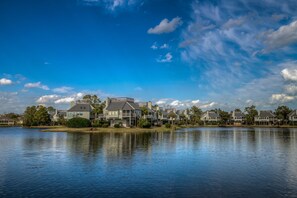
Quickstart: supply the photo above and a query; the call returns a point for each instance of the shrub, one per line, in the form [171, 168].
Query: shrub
[78, 123]
[105, 125]
[167, 125]
[117, 125]
[100, 123]
[144, 123]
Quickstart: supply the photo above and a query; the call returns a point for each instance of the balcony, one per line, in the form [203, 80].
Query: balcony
[128, 114]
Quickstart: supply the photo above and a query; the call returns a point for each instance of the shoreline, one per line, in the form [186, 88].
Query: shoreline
[140, 130]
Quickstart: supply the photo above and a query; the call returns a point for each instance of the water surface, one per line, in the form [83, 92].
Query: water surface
[206, 162]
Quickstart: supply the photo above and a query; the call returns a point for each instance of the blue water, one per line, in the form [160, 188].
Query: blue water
[201, 162]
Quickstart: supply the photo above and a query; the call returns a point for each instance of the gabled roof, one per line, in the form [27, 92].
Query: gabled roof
[238, 114]
[81, 108]
[265, 114]
[293, 113]
[213, 114]
[122, 105]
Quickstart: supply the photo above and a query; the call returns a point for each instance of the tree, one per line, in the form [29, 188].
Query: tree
[95, 101]
[144, 111]
[172, 116]
[282, 113]
[251, 112]
[42, 116]
[196, 114]
[34, 116]
[225, 116]
[51, 109]
[29, 116]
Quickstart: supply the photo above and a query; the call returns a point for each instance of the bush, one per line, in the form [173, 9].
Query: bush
[100, 123]
[143, 123]
[119, 125]
[78, 123]
[167, 125]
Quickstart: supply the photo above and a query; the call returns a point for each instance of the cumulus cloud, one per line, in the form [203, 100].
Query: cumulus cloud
[182, 104]
[111, 5]
[291, 88]
[155, 46]
[166, 26]
[36, 85]
[282, 98]
[282, 37]
[165, 59]
[63, 89]
[289, 74]
[47, 99]
[5, 81]
[67, 100]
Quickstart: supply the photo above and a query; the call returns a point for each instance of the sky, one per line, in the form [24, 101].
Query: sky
[212, 54]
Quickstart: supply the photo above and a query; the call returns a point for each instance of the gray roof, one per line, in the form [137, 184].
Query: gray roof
[115, 106]
[239, 114]
[264, 114]
[213, 114]
[81, 108]
[61, 112]
[293, 113]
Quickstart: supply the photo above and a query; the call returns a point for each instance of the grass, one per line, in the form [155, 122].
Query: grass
[105, 130]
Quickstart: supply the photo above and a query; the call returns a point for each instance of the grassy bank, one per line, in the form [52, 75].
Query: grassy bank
[141, 130]
[106, 130]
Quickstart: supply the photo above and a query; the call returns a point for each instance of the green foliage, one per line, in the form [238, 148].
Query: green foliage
[36, 116]
[144, 123]
[168, 125]
[251, 112]
[78, 123]
[62, 120]
[100, 123]
[282, 113]
[144, 111]
[196, 115]
[95, 101]
[225, 116]
[117, 125]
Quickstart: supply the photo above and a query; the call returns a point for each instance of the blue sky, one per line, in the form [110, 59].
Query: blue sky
[227, 54]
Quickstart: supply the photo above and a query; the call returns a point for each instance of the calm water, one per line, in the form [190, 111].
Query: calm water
[212, 162]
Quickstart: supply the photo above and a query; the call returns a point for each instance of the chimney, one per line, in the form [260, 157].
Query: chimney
[107, 101]
[149, 105]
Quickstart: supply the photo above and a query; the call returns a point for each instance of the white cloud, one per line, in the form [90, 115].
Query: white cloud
[36, 85]
[154, 46]
[5, 81]
[282, 98]
[63, 89]
[166, 26]
[111, 5]
[164, 46]
[67, 100]
[47, 99]
[284, 36]
[291, 88]
[138, 89]
[208, 105]
[166, 59]
[289, 74]
[195, 101]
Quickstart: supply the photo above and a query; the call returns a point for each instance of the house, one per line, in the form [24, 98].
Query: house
[122, 110]
[293, 117]
[210, 117]
[6, 122]
[59, 114]
[82, 110]
[265, 118]
[152, 113]
[237, 117]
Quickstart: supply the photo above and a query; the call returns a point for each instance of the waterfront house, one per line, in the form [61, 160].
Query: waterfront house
[210, 117]
[237, 117]
[122, 111]
[265, 118]
[293, 117]
[152, 113]
[82, 110]
[59, 114]
[6, 122]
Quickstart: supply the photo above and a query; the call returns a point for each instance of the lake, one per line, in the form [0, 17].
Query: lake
[198, 162]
